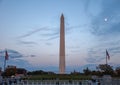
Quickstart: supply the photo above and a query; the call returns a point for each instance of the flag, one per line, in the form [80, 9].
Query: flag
[107, 55]
[6, 55]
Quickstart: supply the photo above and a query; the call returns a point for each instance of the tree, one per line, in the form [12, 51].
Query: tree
[118, 71]
[21, 71]
[9, 71]
[87, 71]
[106, 69]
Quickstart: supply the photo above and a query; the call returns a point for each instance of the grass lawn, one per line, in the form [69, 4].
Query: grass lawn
[58, 76]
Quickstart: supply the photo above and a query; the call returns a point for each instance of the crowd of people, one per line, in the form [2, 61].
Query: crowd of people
[9, 80]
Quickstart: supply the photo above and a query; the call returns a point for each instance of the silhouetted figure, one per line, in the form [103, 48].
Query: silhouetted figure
[93, 80]
[1, 80]
[99, 83]
[80, 83]
[15, 81]
[10, 82]
[57, 83]
[20, 79]
[70, 81]
[89, 83]
[5, 81]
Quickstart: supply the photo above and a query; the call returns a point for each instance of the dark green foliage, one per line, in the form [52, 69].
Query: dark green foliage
[106, 69]
[87, 71]
[102, 69]
[38, 72]
[118, 71]
[59, 77]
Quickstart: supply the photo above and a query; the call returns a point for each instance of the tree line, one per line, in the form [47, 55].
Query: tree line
[102, 69]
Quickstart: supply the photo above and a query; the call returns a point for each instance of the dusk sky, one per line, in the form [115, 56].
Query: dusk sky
[29, 30]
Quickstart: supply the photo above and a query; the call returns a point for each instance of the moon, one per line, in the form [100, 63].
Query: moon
[105, 19]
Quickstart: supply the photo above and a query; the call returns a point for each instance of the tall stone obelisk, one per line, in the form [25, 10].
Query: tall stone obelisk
[62, 46]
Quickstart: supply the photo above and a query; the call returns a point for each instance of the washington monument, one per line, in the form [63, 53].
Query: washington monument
[62, 46]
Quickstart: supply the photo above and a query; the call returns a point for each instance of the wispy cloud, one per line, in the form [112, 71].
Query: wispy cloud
[105, 27]
[56, 33]
[97, 54]
[105, 20]
[27, 42]
[11, 53]
[33, 32]
[73, 47]
[51, 38]
[48, 43]
[115, 50]
[32, 55]
[42, 32]
[111, 12]
[50, 34]
[16, 59]
[46, 33]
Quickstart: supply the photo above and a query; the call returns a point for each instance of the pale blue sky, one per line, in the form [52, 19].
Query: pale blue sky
[31, 27]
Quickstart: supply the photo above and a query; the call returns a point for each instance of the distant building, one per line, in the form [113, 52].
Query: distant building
[13, 70]
[21, 72]
[10, 70]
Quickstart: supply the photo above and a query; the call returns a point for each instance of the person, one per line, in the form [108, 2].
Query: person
[99, 82]
[1, 80]
[89, 82]
[15, 81]
[70, 81]
[57, 83]
[10, 81]
[5, 81]
[80, 83]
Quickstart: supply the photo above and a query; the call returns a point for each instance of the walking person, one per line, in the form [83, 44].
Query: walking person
[80, 83]
[15, 81]
[1, 80]
[10, 81]
[5, 81]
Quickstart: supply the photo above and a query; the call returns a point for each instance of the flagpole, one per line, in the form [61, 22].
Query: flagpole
[4, 64]
[106, 60]
[107, 56]
[6, 58]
